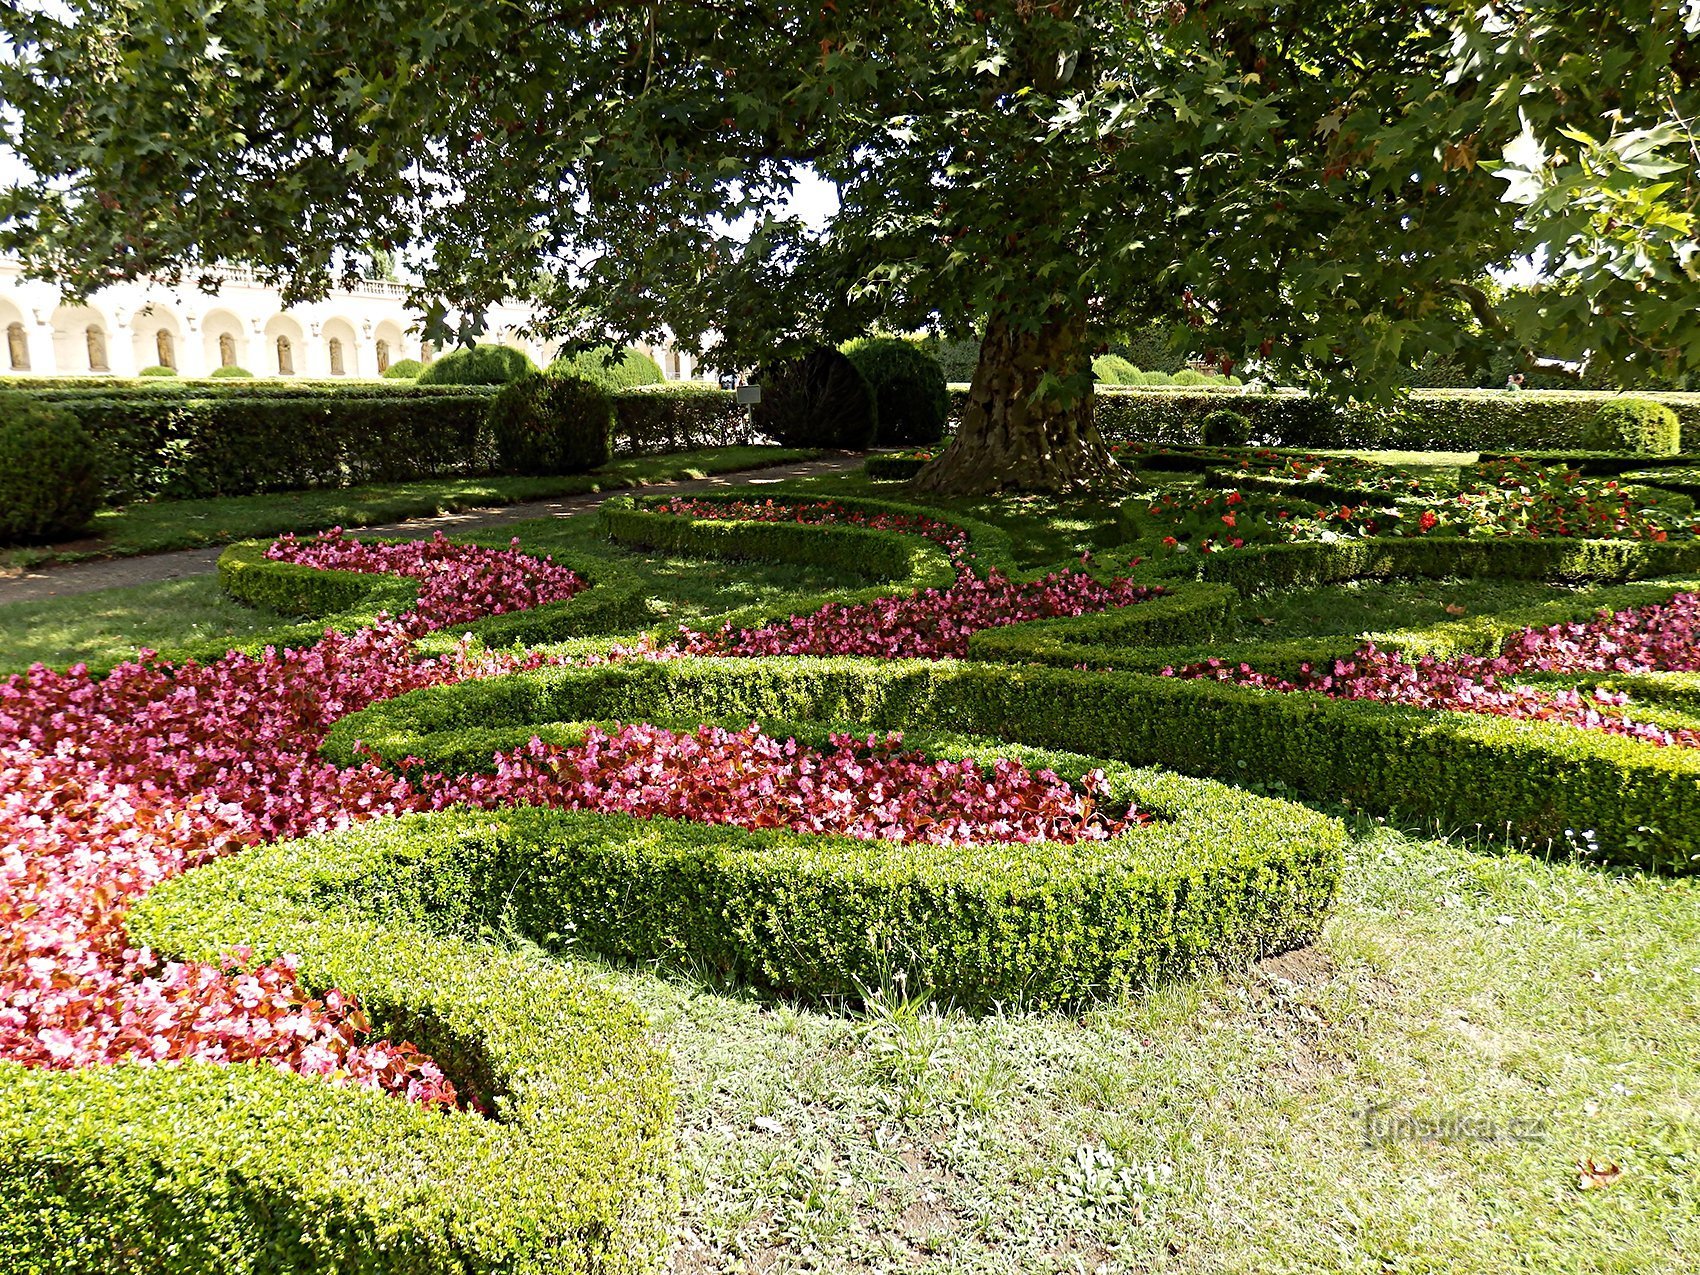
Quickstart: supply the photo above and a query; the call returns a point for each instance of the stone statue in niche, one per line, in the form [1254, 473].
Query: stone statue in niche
[226, 350]
[165, 348]
[96, 340]
[383, 357]
[285, 357]
[336, 356]
[18, 347]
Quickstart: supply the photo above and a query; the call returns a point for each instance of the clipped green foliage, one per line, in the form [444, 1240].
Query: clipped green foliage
[1635, 425]
[1189, 376]
[1226, 429]
[1435, 420]
[680, 416]
[157, 370]
[230, 371]
[404, 370]
[612, 372]
[909, 389]
[1113, 369]
[245, 1169]
[824, 917]
[552, 423]
[49, 472]
[819, 400]
[477, 365]
[1154, 378]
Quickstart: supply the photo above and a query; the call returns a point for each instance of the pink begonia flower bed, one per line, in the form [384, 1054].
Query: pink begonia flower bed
[458, 584]
[110, 786]
[1664, 638]
[933, 624]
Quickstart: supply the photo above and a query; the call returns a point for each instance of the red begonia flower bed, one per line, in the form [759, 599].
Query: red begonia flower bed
[1663, 638]
[110, 786]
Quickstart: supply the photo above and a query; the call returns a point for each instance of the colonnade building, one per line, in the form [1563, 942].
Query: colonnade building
[124, 328]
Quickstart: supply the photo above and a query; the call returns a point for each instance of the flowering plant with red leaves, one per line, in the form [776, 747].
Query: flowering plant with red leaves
[458, 583]
[1663, 638]
[110, 786]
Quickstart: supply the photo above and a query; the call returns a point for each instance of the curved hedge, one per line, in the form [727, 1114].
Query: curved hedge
[246, 1169]
[1540, 779]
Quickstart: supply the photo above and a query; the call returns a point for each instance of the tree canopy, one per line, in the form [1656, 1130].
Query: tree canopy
[1317, 186]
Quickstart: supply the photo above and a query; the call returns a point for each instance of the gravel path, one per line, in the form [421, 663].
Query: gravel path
[112, 573]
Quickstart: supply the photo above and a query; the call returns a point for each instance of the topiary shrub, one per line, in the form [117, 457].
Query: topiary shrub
[230, 370]
[819, 400]
[1155, 378]
[404, 370]
[157, 370]
[1188, 376]
[908, 389]
[1635, 425]
[1113, 369]
[49, 472]
[478, 365]
[631, 368]
[548, 423]
[1226, 429]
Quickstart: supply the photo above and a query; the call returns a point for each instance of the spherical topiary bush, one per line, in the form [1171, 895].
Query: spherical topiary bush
[908, 387]
[1113, 369]
[1635, 425]
[157, 370]
[404, 370]
[49, 472]
[231, 370]
[1155, 378]
[1226, 429]
[1189, 376]
[478, 365]
[631, 368]
[819, 400]
[547, 423]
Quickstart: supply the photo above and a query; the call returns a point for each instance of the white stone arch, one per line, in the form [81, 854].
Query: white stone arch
[283, 328]
[345, 351]
[75, 342]
[146, 330]
[224, 340]
[389, 345]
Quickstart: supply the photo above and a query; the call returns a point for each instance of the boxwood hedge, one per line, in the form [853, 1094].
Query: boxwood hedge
[1537, 779]
[111, 1170]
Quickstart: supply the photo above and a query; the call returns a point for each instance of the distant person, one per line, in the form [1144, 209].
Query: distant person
[1514, 381]
[728, 380]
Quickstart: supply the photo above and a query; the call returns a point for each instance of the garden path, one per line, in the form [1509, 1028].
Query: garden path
[86, 577]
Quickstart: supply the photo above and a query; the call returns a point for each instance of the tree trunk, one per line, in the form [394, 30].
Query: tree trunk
[1013, 439]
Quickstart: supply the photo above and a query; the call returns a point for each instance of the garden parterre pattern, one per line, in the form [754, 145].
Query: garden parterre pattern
[1066, 803]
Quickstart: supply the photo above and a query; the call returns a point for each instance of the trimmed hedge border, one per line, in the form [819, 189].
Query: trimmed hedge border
[1428, 420]
[231, 438]
[1261, 568]
[1540, 779]
[349, 599]
[247, 1169]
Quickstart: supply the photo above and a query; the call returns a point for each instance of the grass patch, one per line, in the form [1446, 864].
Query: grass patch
[1370, 606]
[191, 524]
[107, 626]
[1220, 1126]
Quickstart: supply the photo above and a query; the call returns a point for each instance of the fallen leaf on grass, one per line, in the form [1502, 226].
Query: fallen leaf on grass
[1596, 1177]
[1452, 608]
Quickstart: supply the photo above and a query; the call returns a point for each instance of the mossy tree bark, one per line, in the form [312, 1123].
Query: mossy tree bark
[1028, 422]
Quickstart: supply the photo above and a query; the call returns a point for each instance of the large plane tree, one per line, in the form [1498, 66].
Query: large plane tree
[1314, 186]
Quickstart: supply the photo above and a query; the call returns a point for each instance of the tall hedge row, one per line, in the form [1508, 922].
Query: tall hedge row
[1437, 420]
[240, 438]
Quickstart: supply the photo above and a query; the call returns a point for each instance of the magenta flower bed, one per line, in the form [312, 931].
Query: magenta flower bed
[1662, 638]
[457, 583]
[932, 624]
[110, 786]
